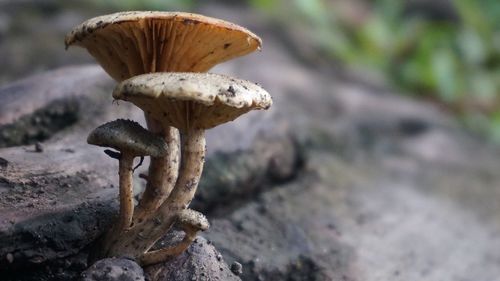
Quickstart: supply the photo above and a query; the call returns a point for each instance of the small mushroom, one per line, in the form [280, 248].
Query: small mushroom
[131, 140]
[190, 222]
[191, 102]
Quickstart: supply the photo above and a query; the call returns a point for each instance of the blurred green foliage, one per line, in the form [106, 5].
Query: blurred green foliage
[129, 5]
[454, 62]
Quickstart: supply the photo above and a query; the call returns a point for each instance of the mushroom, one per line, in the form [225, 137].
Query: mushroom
[127, 44]
[190, 222]
[132, 43]
[191, 102]
[131, 140]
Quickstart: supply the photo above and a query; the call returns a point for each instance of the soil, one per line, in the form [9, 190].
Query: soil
[41, 124]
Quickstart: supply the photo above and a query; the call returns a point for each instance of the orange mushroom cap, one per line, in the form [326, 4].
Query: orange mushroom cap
[127, 44]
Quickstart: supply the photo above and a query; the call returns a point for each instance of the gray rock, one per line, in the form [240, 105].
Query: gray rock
[114, 269]
[236, 268]
[201, 261]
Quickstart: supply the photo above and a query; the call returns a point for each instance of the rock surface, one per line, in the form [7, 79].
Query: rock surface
[201, 261]
[338, 181]
[114, 269]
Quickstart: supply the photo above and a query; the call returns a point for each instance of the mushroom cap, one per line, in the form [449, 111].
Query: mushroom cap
[126, 135]
[192, 100]
[193, 219]
[127, 44]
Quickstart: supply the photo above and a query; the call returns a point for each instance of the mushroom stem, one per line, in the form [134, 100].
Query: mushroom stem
[124, 222]
[142, 236]
[193, 158]
[163, 172]
[126, 191]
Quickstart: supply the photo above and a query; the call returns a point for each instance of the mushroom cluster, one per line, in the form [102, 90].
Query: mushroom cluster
[159, 60]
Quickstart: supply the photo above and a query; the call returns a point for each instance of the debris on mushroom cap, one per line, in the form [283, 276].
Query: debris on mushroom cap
[132, 43]
[192, 100]
[127, 135]
[193, 219]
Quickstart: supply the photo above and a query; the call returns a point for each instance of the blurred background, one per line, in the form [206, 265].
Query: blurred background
[446, 51]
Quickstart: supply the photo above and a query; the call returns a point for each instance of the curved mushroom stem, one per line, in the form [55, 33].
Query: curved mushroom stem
[190, 228]
[193, 158]
[142, 236]
[167, 253]
[163, 172]
[126, 163]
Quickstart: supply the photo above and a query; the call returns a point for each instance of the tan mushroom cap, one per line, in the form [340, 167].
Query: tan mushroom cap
[192, 100]
[127, 44]
[189, 218]
[128, 136]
